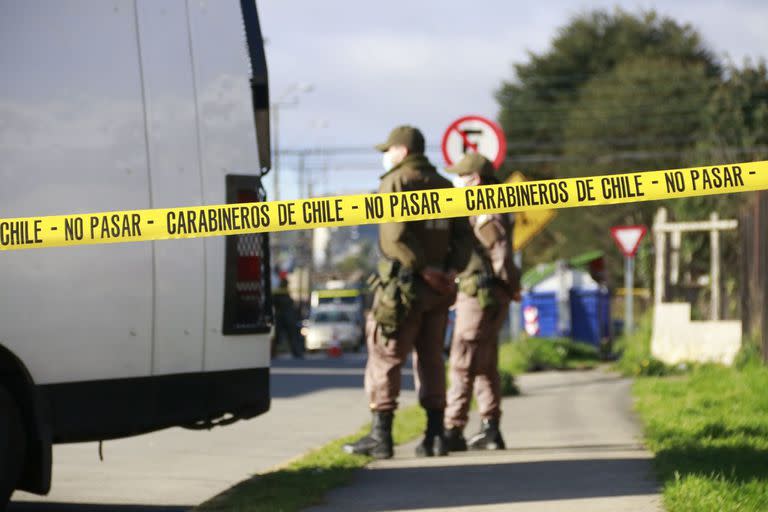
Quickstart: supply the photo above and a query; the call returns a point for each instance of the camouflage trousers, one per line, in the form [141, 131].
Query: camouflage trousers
[422, 332]
[474, 359]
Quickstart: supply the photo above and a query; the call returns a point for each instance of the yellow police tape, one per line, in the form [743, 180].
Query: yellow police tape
[233, 219]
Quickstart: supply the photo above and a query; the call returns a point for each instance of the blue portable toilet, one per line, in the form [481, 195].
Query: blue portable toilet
[562, 299]
[590, 314]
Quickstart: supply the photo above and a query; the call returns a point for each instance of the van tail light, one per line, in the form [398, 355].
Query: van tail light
[247, 294]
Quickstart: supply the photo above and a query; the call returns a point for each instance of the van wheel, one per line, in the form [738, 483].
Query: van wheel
[12, 446]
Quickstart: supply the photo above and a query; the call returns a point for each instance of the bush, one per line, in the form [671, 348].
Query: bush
[634, 351]
[508, 384]
[546, 355]
[536, 354]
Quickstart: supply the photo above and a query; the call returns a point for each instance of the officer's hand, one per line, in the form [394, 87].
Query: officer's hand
[438, 281]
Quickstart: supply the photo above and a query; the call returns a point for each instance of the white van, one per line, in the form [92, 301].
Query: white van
[129, 104]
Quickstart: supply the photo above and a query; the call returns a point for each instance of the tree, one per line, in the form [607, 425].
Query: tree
[620, 92]
[547, 87]
[734, 129]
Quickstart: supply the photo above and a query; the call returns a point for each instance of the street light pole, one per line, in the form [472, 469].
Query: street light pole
[276, 160]
[289, 98]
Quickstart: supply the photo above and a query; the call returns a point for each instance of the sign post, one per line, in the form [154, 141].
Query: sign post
[628, 239]
[527, 225]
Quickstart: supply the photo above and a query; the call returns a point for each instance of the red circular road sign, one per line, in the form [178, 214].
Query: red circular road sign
[474, 134]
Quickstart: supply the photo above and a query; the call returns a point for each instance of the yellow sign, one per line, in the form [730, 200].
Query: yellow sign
[333, 294]
[445, 203]
[528, 224]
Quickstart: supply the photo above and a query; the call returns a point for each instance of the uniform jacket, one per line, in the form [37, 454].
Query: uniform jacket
[493, 250]
[445, 244]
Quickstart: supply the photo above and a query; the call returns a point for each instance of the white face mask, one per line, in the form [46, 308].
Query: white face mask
[458, 182]
[465, 181]
[386, 161]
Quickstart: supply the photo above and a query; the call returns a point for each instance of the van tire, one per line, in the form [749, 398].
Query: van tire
[12, 446]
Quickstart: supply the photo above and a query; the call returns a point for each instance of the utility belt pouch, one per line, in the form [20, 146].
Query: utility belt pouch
[387, 269]
[394, 297]
[489, 230]
[481, 286]
[388, 310]
[468, 285]
[373, 282]
[485, 295]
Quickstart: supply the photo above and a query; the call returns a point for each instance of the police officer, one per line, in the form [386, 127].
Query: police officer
[486, 287]
[415, 286]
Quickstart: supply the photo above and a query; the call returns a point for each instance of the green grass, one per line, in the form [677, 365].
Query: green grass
[709, 433]
[305, 481]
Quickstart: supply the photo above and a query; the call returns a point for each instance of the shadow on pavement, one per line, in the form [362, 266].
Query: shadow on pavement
[293, 377]
[491, 484]
[33, 506]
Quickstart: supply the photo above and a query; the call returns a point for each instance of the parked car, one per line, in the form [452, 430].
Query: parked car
[328, 325]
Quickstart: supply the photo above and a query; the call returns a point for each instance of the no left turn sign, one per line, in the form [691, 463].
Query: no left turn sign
[474, 134]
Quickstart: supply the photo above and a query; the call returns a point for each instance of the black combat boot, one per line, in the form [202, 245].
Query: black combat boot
[454, 440]
[489, 437]
[378, 443]
[434, 439]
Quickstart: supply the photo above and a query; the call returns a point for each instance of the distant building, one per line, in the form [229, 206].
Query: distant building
[333, 245]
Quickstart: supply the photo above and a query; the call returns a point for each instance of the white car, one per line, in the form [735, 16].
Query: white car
[327, 326]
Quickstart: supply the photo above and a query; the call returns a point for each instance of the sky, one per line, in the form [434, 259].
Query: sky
[374, 65]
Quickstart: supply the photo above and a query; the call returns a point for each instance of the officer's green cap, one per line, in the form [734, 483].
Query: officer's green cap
[473, 163]
[408, 136]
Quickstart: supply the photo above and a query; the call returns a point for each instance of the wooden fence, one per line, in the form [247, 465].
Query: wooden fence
[754, 266]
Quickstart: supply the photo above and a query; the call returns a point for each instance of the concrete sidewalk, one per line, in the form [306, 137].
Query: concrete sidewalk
[573, 444]
[315, 400]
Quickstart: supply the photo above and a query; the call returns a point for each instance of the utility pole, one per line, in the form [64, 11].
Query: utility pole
[289, 98]
[311, 250]
[302, 245]
[276, 160]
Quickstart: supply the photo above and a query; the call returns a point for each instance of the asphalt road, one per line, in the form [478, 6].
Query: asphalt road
[573, 444]
[314, 401]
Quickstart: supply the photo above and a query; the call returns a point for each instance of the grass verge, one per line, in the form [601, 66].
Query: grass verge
[305, 481]
[709, 433]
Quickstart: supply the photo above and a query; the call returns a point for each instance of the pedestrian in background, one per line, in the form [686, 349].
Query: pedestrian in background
[286, 320]
[486, 287]
[414, 287]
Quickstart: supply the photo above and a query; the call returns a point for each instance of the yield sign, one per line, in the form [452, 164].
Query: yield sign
[474, 134]
[628, 238]
[529, 223]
